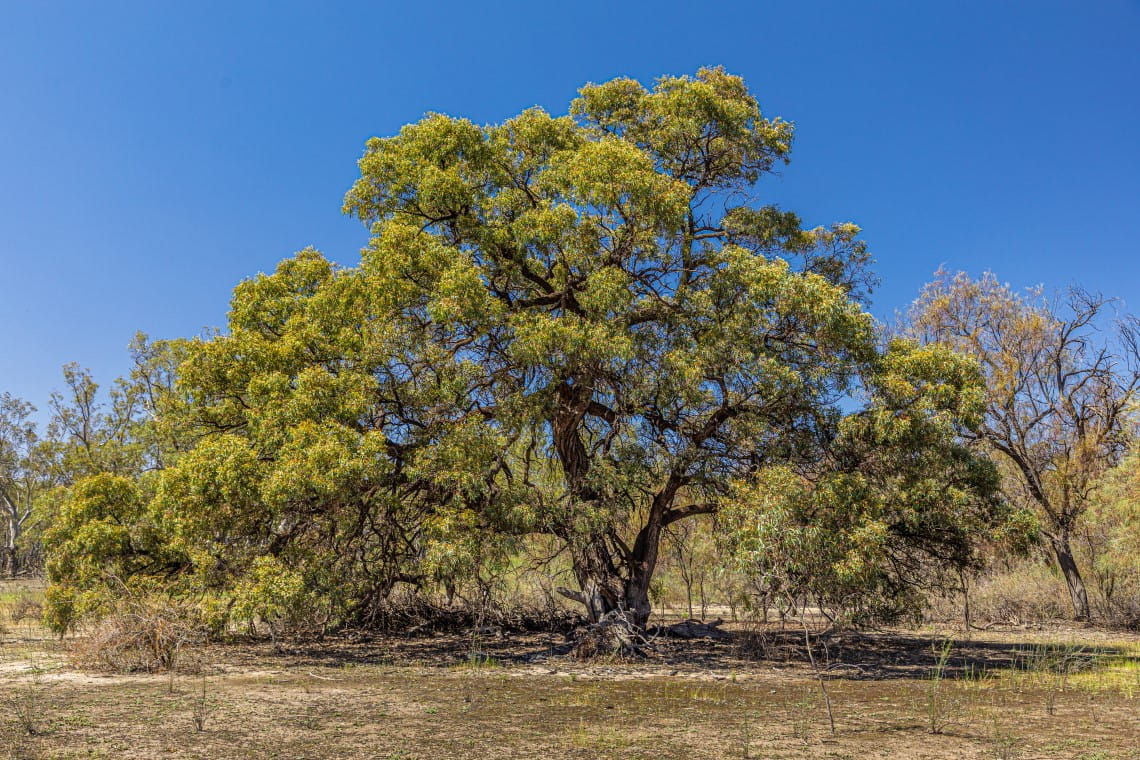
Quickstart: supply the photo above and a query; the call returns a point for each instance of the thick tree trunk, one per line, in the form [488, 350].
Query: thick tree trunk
[603, 589]
[643, 556]
[1073, 580]
[637, 599]
[605, 585]
[600, 587]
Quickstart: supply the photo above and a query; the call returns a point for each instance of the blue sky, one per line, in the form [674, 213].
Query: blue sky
[154, 154]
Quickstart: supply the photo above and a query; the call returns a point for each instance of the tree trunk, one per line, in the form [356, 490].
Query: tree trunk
[603, 589]
[11, 559]
[600, 588]
[637, 599]
[605, 585]
[1068, 565]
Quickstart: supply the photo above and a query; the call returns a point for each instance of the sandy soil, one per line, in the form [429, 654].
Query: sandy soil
[521, 695]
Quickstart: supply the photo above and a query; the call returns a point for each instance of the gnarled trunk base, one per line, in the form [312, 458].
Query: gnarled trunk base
[615, 635]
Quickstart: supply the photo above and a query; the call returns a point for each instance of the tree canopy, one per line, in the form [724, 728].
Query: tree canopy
[586, 327]
[1060, 383]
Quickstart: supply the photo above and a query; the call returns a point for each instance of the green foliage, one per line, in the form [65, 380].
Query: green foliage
[897, 507]
[567, 326]
[104, 539]
[271, 592]
[1110, 543]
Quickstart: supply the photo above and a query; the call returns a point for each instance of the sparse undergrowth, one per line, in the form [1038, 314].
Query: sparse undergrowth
[143, 633]
[1005, 696]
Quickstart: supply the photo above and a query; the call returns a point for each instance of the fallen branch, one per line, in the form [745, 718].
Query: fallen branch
[694, 629]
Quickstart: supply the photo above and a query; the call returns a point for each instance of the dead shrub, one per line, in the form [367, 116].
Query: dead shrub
[141, 633]
[24, 608]
[1034, 592]
[25, 703]
[411, 611]
[1120, 611]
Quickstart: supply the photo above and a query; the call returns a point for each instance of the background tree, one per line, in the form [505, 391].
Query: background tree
[1058, 393]
[94, 432]
[23, 475]
[1110, 536]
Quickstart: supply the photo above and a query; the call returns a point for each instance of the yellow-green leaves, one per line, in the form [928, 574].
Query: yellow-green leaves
[271, 591]
[92, 531]
[565, 325]
[213, 492]
[930, 385]
[612, 175]
[437, 164]
[706, 130]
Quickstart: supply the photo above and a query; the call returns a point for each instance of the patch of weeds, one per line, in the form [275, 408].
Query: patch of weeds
[748, 733]
[76, 720]
[605, 739]
[590, 695]
[478, 661]
[203, 708]
[1049, 666]
[942, 709]
[801, 715]
[26, 703]
[1004, 744]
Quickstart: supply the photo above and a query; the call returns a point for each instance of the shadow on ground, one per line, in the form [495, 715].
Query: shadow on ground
[850, 655]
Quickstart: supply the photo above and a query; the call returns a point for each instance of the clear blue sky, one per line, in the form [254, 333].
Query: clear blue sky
[153, 154]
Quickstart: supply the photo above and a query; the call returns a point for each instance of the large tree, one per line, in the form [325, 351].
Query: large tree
[608, 296]
[582, 326]
[1059, 387]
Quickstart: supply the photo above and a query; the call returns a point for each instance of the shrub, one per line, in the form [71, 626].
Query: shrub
[142, 632]
[24, 607]
[1028, 592]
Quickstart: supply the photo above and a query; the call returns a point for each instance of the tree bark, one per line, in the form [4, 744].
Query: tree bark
[1073, 580]
[598, 581]
[12, 538]
[608, 583]
[605, 588]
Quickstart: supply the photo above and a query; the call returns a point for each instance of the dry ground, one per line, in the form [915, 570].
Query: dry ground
[428, 697]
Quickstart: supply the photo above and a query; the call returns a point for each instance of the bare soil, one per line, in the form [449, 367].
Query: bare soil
[524, 696]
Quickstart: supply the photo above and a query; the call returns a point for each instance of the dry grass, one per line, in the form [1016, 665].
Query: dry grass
[145, 633]
[442, 713]
[1011, 694]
